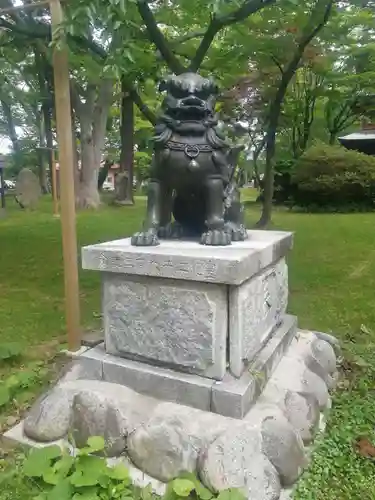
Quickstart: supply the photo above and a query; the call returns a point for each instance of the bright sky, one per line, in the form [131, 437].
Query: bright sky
[4, 145]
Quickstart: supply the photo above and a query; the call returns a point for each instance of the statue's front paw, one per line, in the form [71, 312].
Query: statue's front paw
[147, 238]
[216, 237]
[238, 231]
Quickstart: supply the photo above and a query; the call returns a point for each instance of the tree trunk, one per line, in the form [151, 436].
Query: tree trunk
[43, 72]
[77, 172]
[124, 180]
[92, 114]
[103, 172]
[12, 134]
[332, 138]
[7, 110]
[42, 172]
[273, 122]
[268, 180]
[47, 118]
[43, 154]
[88, 195]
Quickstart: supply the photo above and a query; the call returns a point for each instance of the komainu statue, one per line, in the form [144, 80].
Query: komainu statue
[192, 171]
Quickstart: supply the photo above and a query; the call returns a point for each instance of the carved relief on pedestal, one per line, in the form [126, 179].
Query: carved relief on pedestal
[256, 308]
[166, 322]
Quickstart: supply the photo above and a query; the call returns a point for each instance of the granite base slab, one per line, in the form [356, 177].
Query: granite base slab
[190, 261]
[159, 382]
[232, 397]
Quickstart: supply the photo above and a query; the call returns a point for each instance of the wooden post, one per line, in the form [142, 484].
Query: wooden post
[54, 186]
[66, 172]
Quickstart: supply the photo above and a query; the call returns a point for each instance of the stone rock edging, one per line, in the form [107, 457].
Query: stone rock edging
[260, 454]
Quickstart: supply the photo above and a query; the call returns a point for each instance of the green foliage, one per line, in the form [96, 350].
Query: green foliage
[187, 486]
[85, 476]
[283, 188]
[142, 165]
[331, 176]
[21, 380]
[10, 351]
[26, 157]
[339, 470]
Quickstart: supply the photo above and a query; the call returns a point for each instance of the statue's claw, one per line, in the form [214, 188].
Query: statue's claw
[216, 237]
[237, 231]
[148, 238]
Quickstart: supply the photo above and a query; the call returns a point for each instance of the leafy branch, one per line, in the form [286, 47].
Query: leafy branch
[218, 22]
[42, 31]
[157, 37]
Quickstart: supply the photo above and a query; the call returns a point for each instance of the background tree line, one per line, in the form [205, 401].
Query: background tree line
[290, 72]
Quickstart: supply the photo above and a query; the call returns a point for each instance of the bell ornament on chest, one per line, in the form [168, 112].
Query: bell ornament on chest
[193, 165]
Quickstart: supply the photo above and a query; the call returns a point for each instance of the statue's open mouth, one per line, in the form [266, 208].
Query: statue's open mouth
[187, 112]
[191, 108]
[192, 101]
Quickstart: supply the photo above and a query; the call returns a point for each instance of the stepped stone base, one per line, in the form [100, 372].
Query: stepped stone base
[201, 369]
[230, 397]
[162, 438]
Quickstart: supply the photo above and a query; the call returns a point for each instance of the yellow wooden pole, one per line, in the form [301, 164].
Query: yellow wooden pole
[66, 173]
[54, 186]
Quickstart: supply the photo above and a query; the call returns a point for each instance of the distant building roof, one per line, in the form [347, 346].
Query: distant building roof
[363, 141]
[364, 135]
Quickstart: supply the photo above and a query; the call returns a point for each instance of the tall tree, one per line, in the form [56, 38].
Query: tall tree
[283, 39]
[306, 88]
[316, 18]
[124, 188]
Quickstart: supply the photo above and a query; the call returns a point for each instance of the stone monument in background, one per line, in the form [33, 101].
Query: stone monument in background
[202, 369]
[28, 191]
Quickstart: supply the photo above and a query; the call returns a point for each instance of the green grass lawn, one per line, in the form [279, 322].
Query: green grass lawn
[332, 283]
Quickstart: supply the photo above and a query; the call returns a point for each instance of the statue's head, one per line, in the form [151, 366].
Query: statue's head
[190, 96]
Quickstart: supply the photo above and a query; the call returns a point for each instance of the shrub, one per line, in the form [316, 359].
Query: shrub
[331, 176]
[283, 187]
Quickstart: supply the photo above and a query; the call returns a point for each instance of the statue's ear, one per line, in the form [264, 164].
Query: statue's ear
[214, 87]
[163, 85]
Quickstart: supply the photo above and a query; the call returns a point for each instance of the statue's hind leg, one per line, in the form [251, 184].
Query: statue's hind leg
[234, 217]
[159, 204]
[169, 229]
[149, 235]
[216, 235]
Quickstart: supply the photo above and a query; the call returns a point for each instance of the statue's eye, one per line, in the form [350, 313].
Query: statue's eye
[203, 94]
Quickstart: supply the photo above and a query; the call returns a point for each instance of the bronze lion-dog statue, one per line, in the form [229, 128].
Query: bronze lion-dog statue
[192, 171]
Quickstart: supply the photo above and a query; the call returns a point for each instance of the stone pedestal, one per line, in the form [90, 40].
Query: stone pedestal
[202, 326]
[191, 308]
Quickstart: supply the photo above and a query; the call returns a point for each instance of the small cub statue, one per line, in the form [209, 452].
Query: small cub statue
[192, 171]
